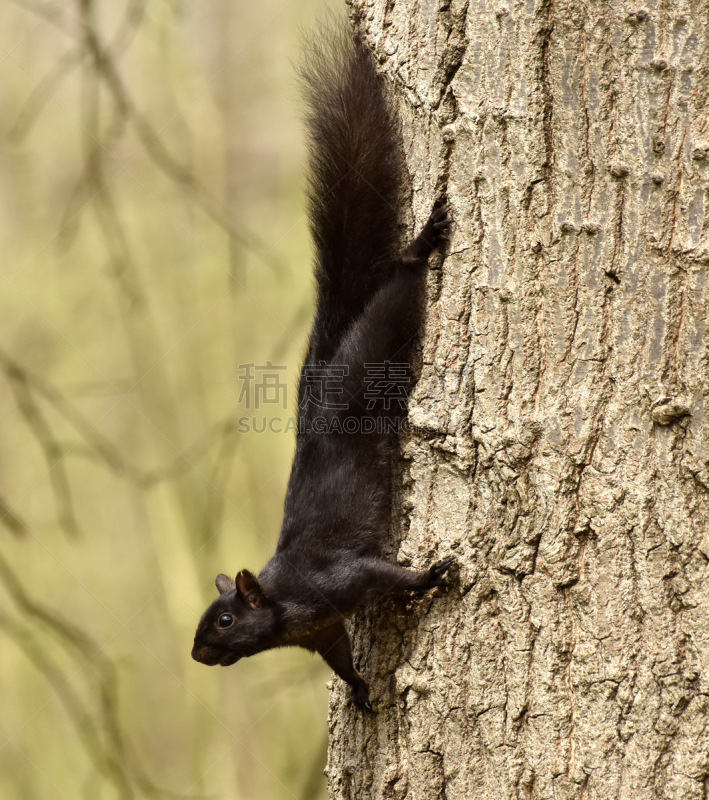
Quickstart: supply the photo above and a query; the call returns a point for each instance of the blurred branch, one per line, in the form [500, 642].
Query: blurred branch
[52, 450]
[292, 330]
[42, 93]
[98, 728]
[49, 84]
[95, 445]
[219, 476]
[75, 667]
[81, 717]
[129, 26]
[11, 520]
[94, 178]
[102, 57]
[182, 464]
[52, 14]
[154, 147]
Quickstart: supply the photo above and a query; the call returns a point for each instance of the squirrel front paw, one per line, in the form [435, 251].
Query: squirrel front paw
[437, 572]
[360, 696]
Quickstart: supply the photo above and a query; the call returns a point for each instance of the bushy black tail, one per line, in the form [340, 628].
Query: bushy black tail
[355, 182]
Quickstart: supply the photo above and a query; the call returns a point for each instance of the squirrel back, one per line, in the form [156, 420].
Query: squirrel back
[354, 182]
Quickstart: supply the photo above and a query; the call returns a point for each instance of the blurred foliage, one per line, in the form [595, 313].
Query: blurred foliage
[153, 240]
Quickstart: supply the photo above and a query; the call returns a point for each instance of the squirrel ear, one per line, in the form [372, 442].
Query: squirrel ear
[224, 583]
[248, 589]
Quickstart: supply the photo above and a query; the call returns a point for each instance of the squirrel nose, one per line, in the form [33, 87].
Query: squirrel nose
[201, 654]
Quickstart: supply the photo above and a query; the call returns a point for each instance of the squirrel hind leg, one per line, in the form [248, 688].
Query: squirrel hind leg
[384, 333]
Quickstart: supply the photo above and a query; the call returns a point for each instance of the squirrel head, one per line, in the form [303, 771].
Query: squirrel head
[239, 623]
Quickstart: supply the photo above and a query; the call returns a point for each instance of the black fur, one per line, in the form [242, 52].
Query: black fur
[369, 312]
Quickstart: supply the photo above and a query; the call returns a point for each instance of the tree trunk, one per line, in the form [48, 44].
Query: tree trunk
[560, 443]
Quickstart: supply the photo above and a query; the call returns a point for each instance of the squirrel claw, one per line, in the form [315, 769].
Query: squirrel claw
[360, 697]
[437, 572]
[440, 220]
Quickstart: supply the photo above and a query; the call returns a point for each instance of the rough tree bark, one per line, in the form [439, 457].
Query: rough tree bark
[561, 445]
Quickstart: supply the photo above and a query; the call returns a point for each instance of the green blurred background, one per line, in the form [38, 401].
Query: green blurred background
[153, 239]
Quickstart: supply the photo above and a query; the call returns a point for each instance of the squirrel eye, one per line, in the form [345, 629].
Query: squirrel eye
[225, 620]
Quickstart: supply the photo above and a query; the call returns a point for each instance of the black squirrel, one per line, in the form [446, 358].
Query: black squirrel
[370, 304]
